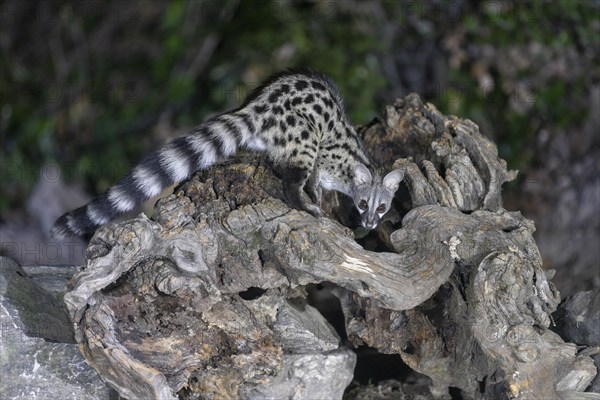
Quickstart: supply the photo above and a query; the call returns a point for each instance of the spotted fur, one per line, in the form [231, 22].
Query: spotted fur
[296, 119]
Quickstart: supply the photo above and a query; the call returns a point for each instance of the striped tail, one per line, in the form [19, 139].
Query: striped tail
[210, 143]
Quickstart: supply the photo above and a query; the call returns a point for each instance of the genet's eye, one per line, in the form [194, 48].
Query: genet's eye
[381, 208]
[363, 205]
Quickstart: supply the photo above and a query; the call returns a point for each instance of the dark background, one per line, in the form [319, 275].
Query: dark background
[87, 88]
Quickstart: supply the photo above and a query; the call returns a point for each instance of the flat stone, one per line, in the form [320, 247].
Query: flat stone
[36, 312]
[578, 318]
[32, 368]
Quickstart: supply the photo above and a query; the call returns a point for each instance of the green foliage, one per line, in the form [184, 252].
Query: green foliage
[557, 23]
[555, 101]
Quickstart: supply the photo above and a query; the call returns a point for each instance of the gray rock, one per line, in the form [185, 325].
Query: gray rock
[53, 279]
[578, 321]
[31, 368]
[36, 312]
[578, 318]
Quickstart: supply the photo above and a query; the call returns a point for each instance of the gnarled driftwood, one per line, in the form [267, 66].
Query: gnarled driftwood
[208, 299]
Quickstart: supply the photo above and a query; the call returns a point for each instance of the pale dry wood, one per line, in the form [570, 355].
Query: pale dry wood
[198, 300]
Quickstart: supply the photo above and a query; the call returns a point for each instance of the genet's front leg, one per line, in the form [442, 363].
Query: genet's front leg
[294, 180]
[313, 189]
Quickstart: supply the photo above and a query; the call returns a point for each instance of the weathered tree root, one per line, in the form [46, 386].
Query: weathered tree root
[207, 300]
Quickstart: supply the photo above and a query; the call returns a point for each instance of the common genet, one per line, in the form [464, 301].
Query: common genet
[296, 118]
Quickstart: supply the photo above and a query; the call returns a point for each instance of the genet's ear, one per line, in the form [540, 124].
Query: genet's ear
[392, 180]
[362, 175]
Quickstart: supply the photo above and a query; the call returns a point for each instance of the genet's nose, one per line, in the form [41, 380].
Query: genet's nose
[370, 225]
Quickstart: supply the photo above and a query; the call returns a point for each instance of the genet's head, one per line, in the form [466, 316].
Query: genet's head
[372, 195]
